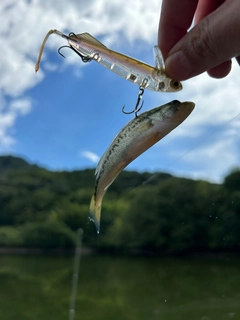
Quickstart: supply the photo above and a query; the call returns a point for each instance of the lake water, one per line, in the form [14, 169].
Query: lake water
[110, 287]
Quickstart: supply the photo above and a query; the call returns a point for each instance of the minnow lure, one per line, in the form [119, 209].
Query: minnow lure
[136, 137]
[138, 72]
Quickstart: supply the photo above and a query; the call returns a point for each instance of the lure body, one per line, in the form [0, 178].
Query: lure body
[135, 138]
[138, 72]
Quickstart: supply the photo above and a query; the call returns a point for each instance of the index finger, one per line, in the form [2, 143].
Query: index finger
[176, 18]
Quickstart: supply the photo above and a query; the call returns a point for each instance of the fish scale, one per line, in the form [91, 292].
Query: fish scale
[136, 137]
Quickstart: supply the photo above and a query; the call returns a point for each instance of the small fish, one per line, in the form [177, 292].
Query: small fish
[138, 72]
[136, 137]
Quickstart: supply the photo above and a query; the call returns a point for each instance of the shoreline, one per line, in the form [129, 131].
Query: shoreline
[38, 251]
[90, 251]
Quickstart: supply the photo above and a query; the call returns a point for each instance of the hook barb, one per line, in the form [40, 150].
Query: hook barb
[59, 50]
[133, 111]
[137, 108]
[84, 58]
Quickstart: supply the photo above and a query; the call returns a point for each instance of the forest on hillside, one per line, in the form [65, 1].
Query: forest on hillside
[141, 211]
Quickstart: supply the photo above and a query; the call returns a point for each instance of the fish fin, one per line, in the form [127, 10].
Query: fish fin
[95, 212]
[105, 189]
[88, 37]
[159, 62]
[97, 170]
[123, 164]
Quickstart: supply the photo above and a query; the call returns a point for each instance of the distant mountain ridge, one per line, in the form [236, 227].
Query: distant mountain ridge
[9, 162]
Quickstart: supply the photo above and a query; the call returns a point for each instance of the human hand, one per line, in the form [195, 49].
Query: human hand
[208, 46]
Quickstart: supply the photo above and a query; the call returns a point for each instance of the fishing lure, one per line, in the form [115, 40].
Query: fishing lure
[138, 72]
[136, 137]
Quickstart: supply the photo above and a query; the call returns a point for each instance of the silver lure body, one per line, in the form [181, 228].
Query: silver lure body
[127, 67]
[136, 71]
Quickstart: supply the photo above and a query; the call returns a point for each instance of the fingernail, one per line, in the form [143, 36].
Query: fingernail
[178, 66]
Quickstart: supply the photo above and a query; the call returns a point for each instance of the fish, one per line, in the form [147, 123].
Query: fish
[134, 138]
[136, 71]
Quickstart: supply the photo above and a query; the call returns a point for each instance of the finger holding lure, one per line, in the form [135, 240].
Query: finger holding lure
[136, 137]
[138, 72]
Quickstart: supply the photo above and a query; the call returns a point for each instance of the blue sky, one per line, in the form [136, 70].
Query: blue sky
[65, 116]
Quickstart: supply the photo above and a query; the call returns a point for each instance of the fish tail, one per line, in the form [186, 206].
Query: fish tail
[95, 212]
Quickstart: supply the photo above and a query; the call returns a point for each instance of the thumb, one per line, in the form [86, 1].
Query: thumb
[211, 43]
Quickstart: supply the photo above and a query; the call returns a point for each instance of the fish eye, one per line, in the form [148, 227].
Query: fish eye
[175, 84]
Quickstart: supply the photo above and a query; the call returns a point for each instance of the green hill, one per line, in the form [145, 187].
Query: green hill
[160, 212]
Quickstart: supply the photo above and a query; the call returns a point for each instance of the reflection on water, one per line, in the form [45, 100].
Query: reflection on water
[38, 287]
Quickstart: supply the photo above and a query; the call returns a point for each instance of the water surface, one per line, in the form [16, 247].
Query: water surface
[39, 287]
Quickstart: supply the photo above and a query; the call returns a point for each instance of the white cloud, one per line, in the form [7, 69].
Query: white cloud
[216, 101]
[208, 157]
[50, 66]
[207, 142]
[20, 106]
[212, 162]
[93, 157]
[8, 115]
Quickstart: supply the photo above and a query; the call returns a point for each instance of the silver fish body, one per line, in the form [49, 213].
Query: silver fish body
[138, 72]
[136, 137]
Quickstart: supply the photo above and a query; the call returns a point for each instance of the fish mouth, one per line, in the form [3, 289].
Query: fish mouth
[176, 104]
[188, 104]
[178, 109]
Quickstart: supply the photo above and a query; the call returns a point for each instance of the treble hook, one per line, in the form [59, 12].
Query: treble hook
[84, 58]
[59, 50]
[137, 108]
